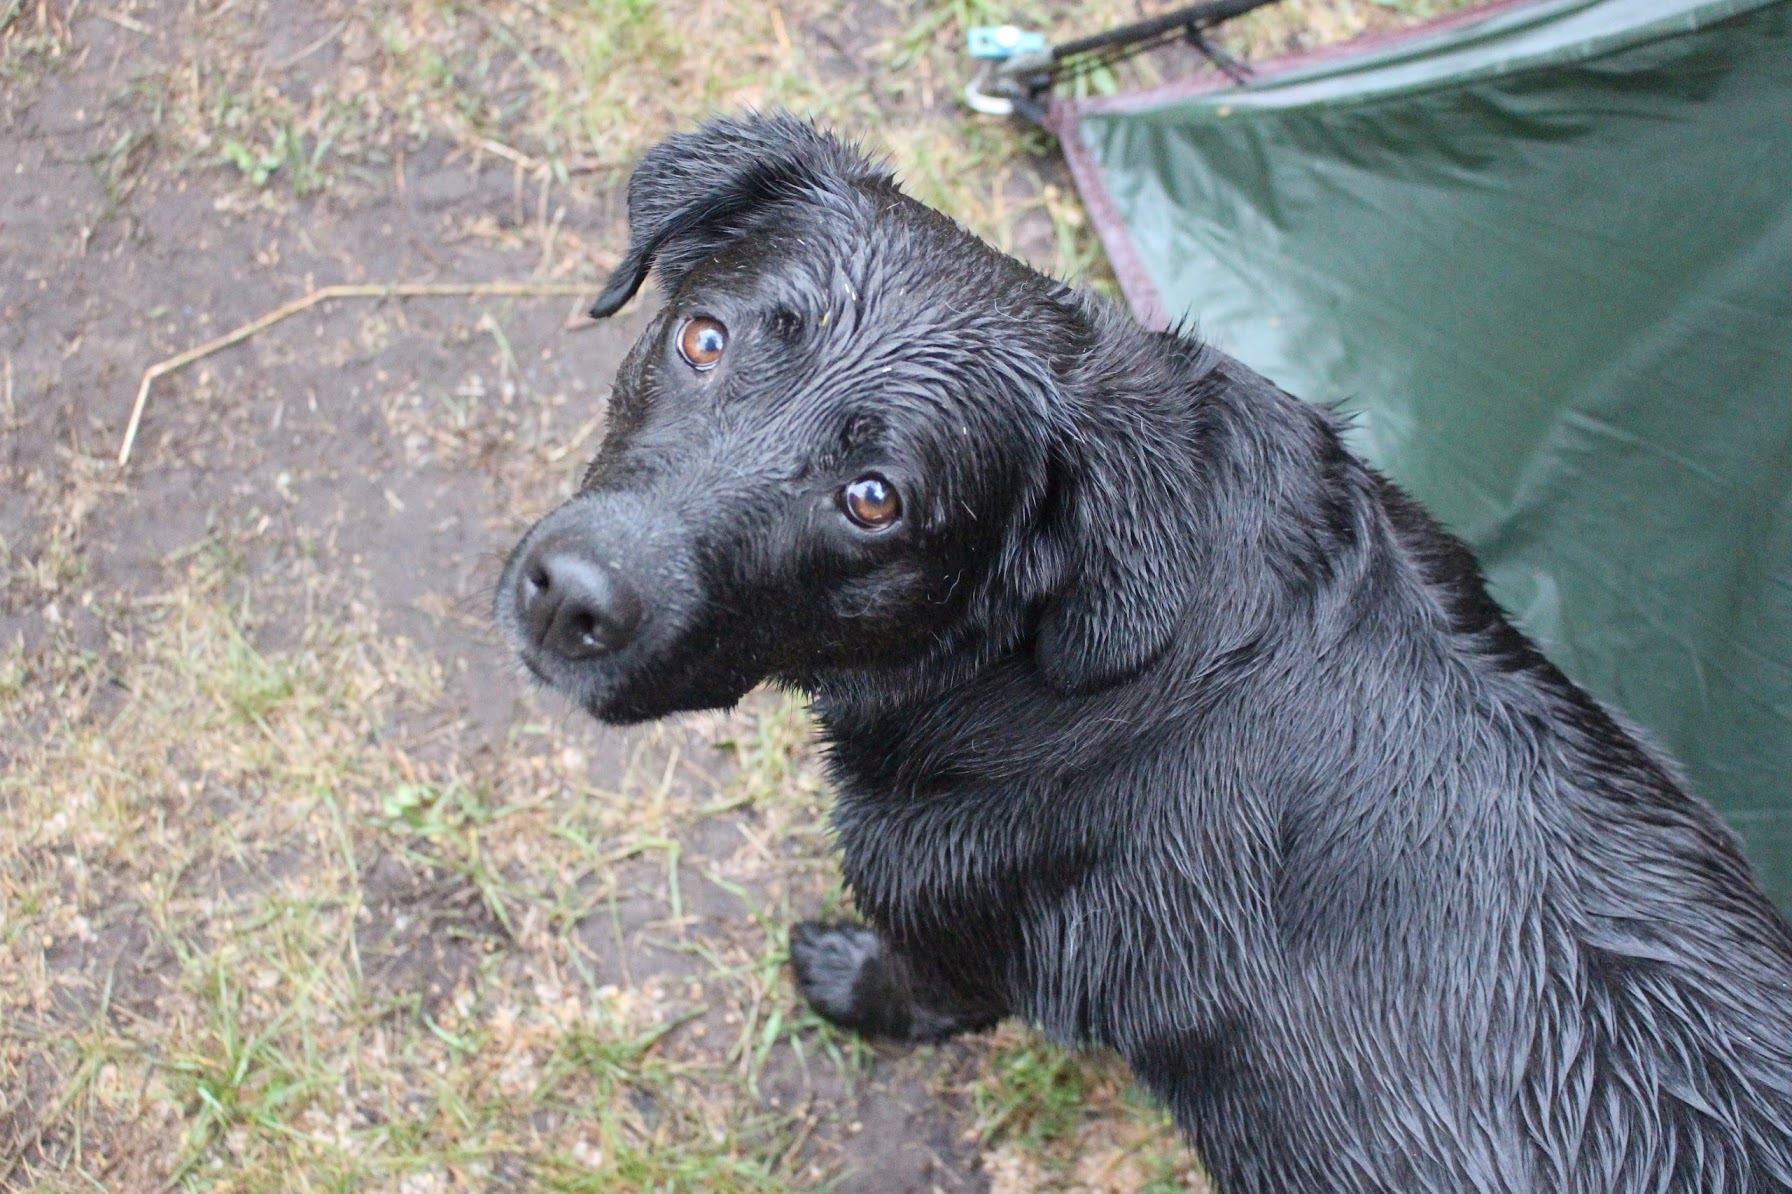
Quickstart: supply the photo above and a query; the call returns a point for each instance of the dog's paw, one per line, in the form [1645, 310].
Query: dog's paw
[829, 960]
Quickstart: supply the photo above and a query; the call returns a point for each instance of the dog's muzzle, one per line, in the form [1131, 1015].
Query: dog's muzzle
[596, 593]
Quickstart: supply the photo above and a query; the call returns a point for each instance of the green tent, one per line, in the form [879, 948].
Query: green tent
[1544, 253]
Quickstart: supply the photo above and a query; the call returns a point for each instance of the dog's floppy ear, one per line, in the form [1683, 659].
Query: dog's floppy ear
[1118, 521]
[688, 194]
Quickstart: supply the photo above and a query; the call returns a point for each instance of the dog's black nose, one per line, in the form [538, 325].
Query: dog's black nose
[572, 605]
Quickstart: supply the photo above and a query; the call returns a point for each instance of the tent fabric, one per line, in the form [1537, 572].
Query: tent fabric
[1544, 255]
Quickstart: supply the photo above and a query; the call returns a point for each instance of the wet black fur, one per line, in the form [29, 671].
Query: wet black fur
[1161, 720]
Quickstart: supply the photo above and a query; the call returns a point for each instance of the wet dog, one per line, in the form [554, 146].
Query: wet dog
[1156, 716]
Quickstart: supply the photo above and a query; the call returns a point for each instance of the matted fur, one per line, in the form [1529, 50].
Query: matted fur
[1159, 719]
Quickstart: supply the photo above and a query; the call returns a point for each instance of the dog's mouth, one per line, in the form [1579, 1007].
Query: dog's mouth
[649, 689]
[615, 688]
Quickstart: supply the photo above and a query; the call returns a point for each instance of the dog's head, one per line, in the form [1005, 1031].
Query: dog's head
[840, 445]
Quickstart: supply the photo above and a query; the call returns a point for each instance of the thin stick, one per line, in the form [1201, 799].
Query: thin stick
[371, 290]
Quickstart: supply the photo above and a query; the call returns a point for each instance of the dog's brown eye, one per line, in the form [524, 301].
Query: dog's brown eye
[701, 341]
[871, 502]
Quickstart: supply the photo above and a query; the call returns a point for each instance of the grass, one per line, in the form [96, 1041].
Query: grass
[266, 924]
[233, 855]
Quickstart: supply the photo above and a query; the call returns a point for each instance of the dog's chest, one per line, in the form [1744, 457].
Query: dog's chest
[955, 851]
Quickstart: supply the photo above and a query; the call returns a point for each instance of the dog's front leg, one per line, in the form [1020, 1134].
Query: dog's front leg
[854, 977]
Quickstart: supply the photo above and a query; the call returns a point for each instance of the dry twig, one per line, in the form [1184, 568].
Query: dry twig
[373, 290]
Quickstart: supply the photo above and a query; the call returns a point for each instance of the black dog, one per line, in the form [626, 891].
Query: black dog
[1157, 717]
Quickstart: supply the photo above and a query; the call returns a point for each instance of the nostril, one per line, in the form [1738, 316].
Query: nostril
[585, 629]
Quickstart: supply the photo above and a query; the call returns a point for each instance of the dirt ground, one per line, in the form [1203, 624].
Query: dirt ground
[301, 886]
